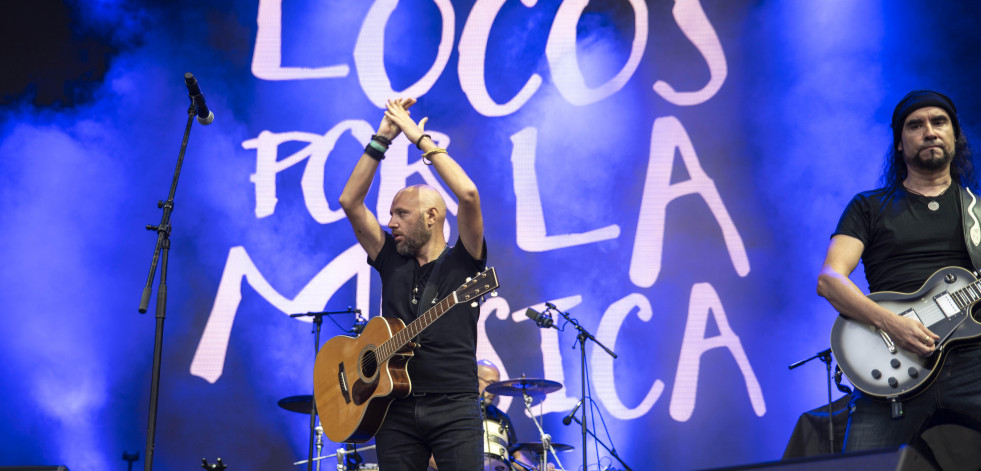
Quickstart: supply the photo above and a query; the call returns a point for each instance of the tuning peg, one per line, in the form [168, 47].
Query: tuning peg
[469, 279]
[473, 304]
[493, 293]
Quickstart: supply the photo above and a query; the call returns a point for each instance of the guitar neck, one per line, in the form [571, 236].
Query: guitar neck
[967, 295]
[404, 336]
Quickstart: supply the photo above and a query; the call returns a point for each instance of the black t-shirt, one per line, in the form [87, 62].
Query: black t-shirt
[905, 241]
[446, 359]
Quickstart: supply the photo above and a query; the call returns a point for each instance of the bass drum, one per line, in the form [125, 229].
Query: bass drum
[496, 457]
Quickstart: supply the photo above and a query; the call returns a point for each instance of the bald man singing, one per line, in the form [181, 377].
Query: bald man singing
[441, 415]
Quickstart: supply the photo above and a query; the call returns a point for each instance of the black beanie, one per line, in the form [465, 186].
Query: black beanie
[918, 99]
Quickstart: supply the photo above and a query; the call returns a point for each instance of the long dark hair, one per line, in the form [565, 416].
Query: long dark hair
[894, 169]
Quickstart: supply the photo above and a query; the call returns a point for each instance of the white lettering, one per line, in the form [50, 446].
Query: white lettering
[369, 53]
[561, 51]
[209, 358]
[692, 20]
[312, 182]
[529, 216]
[645, 262]
[704, 300]
[602, 363]
[499, 308]
[267, 57]
[470, 69]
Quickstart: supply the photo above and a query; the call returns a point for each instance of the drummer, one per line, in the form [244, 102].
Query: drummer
[487, 373]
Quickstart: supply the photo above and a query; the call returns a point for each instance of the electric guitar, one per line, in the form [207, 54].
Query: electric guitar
[356, 379]
[878, 367]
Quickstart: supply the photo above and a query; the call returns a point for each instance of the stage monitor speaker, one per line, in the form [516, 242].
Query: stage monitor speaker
[893, 459]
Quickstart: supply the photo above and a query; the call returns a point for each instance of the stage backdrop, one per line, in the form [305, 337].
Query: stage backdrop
[668, 173]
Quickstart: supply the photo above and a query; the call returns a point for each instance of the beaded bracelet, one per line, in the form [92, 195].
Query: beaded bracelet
[419, 141]
[381, 139]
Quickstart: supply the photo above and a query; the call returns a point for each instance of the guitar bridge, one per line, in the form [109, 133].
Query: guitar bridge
[342, 381]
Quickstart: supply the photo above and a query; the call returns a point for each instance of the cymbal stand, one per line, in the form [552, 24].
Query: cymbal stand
[582, 337]
[315, 435]
[545, 438]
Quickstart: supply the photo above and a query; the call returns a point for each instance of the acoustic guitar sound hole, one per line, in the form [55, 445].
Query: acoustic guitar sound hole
[369, 364]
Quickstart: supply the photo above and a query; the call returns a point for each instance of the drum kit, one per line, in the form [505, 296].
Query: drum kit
[499, 452]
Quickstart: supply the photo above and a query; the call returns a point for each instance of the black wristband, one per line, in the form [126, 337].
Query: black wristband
[419, 141]
[374, 153]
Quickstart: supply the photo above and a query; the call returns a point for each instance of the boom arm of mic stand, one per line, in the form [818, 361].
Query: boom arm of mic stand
[612, 452]
[583, 332]
[327, 313]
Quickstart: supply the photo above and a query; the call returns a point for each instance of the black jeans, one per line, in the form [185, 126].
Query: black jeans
[447, 425]
[955, 396]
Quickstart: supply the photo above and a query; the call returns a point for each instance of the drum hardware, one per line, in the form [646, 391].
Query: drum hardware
[533, 391]
[538, 447]
[496, 446]
[534, 388]
[342, 454]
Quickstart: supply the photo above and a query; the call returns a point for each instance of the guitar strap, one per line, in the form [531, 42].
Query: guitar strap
[429, 293]
[971, 220]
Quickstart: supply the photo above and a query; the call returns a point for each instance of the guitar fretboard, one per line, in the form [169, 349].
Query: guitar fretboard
[967, 295]
[402, 337]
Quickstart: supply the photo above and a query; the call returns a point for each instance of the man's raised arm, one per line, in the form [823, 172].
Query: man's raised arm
[366, 228]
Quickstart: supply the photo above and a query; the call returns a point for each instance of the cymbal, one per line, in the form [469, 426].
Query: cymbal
[519, 387]
[301, 403]
[537, 448]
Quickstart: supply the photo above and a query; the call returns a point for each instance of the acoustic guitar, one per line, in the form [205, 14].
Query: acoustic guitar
[355, 379]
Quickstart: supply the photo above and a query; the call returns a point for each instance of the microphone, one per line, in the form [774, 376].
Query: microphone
[359, 323]
[205, 116]
[542, 319]
[568, 419]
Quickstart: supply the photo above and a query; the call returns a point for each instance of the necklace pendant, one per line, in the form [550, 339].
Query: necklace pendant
[933, 206]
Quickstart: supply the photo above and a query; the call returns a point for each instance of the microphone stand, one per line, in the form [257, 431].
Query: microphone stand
[582, 337]
[160, 253]
[318, 318]
[613, 452]
[825, 356]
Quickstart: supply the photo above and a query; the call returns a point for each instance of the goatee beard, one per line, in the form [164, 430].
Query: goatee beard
[931, 163]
